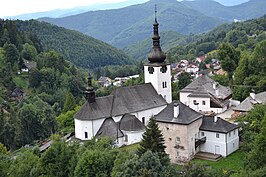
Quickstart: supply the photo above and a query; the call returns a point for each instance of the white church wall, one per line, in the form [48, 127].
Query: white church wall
[81, 127]
[132, 137]
[89, 126]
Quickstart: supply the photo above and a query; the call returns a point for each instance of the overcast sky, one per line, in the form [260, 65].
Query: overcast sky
[17, 7]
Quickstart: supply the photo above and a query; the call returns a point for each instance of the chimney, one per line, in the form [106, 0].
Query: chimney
[214, 86]
[215, 118]
[253, 95]
[176, 109]
[217, 92]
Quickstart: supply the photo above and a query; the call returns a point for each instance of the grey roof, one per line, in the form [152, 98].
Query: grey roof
[30, 64]
[204, 84]
[101, 108]
[135, 98]
[248, 103]
[131, 123]
[109, 128]
[121, 101]
[221, 126]
[186, 114]
[103, 79]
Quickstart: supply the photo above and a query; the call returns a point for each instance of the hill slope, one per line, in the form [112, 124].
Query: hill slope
[125, 26]
[80, 49]
[248, 10]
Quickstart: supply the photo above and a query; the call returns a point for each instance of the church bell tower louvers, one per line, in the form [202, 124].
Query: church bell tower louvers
[157, 72]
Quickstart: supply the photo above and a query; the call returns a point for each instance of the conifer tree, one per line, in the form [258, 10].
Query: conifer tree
[152, 140]
[70, 103]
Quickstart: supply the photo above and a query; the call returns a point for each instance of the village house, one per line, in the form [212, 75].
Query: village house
[105, 81]
[246, 105]
[206, 95]
[187, 132]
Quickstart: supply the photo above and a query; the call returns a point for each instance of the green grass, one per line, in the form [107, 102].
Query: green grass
[132, 147]
[233, 162]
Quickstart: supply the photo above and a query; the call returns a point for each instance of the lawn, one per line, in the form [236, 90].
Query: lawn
[132, 147]
[233, 162]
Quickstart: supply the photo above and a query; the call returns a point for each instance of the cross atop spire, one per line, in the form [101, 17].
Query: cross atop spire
[155, 12]
[156, 55]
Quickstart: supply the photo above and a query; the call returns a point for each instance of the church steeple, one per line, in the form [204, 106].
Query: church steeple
[90, 94]
[156, 55]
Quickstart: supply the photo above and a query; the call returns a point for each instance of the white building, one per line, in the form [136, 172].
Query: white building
[125, 112]
[187, 132]
[206, 95]
[221, 136]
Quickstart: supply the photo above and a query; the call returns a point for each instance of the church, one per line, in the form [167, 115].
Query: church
[124, 114]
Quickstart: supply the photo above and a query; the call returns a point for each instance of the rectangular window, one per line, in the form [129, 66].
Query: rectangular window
[177, 140]
[143, 120]
[203, 103]
[177, 153]
[234, 132]
[165, 85]
[86, 135]
[126, 138]
[194, 102]
[233, 145]
[229, 134]
[202, 133]
[217, 135]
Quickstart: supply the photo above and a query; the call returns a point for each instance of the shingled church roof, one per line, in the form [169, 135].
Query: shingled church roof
[131, 123]
[121, 101]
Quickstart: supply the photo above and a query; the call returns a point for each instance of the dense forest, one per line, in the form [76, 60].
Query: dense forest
[80, 49]
[31, 100]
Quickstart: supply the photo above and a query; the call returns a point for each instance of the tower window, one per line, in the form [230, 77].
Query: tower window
[163, 69]
[203, 103]
[151, 70]
[164, 85]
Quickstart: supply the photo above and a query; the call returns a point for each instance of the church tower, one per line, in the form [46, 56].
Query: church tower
[157, 72]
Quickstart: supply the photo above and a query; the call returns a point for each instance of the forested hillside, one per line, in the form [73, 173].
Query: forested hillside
[245, 11]
[76, 47]
[126, 26]
[32, 98]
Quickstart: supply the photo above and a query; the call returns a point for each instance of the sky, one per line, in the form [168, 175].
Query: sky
[17, 7]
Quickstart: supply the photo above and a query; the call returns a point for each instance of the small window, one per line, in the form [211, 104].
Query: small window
[217, 135]
[170, 139]
[202, 133]
[194, 102]
[229, 134]
[86, 135]
[233, 145]
[177, 153]
[177, 140]
[143, 120]
[165, 84]
[234, 132]
[203, 103]
[126, 138]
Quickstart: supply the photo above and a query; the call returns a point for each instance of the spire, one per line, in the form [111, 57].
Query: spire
[90, 94]
[156, 55]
